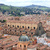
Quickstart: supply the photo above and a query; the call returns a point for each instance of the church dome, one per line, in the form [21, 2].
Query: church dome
[24, 38]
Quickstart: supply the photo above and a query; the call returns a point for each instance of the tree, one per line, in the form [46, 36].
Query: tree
[4, 20]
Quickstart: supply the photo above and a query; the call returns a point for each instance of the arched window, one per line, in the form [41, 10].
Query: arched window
[13, 25]
[20, 31]
[25, 46]
[15, 30]
[34, 27]
[26, 32]
[20, 46]
[18, 26]
[8, 25]
[31, 32]
[10, 30]
[28, 44]
[22, 26]
[28, 27]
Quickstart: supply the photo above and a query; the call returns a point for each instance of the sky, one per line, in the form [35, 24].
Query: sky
[26, 2]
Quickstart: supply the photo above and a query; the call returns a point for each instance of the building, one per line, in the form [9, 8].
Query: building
[32, 24]
[9, 42]
[48, 33]
[17, 27]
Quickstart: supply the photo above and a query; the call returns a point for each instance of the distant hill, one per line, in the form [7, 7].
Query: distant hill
[16, 11]
[39, 7]
[1, 4]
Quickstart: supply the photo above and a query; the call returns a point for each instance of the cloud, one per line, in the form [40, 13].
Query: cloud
[26, 2]
[18, 0]
[1, 2]
[11, 0]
